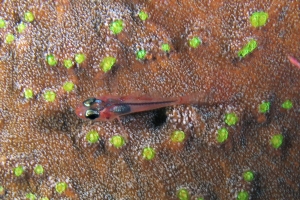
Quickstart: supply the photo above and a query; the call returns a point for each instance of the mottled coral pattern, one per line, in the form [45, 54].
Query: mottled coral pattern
[44, 130]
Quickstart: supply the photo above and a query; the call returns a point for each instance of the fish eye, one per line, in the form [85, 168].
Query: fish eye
[92, 114]
[89, 102]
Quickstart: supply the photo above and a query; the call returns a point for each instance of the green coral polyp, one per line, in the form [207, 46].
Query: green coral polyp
[148, 153]
[117, 141]
[288, 104]
[165, 47]
[117, 26]
[259, 19]
[248, 48]
[30, 196]
[183, 194]
[231, 119]
[61, 187]
[39, 170]
[18, 171]
[92, 136]
[68, 63]
[28, 93]
[2, 190]
[143, 15]
[222, 135]
[243, 195]
[195, 42]
[2, 23]
[264, 107]
[141, 54]
[178, 136]
[28, 16]
[276, 141]
[9, 38]
[68, 86]
[107, 63]
[49, 96]
[51, 60]
[79, 58]
[21, 27]
[248, 176]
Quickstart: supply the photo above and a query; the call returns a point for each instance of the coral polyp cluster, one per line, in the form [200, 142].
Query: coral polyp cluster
[235, 137]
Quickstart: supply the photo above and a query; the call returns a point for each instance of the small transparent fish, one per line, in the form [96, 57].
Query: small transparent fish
[108, 108]
[294, 61]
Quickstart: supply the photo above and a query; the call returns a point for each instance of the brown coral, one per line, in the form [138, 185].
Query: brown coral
[34, 131]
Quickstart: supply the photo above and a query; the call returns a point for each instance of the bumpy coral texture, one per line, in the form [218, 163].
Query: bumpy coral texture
[34, 131]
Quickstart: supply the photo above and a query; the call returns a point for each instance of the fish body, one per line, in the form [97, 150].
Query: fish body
[107, 108]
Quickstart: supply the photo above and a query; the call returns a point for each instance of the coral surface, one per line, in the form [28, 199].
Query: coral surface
[244, 99]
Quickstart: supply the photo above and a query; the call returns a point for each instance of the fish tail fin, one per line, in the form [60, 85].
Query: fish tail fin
[196, 98]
